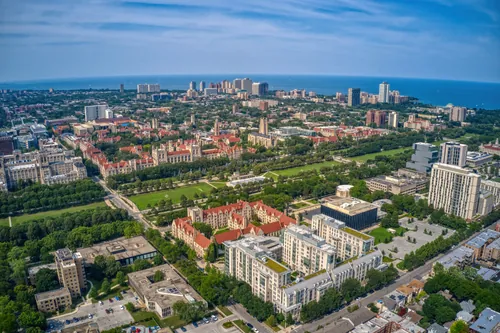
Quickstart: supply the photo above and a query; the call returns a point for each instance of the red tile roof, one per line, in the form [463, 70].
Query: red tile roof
[230, 235]
[224, 209]
[202, 241]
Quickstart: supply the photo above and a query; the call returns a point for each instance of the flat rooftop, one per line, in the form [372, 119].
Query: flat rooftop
[165, 293]
[52, 294]
[121, 248]
[350, 206]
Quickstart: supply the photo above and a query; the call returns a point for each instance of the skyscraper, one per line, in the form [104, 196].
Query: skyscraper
[202, 85]
[260, 88]
[453, 153]
[192, 85]
[236, 108]
[193, 119]
[458, 113]
[246, 84]
[454, 189]
[383, 92]
[393, 119]
[122, 88]
[93, 112]
[377, 117]
[353, 98]
[238, 84]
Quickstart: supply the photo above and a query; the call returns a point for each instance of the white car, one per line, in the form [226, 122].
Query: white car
[122, 307]
[101, 303]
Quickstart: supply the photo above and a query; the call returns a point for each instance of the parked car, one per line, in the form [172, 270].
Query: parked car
[122, 307]
[110, 300]
[117, 298]
[183, 329]
[68, 322]
[195, 324]
[101, 303]
[107, 311]
[250, 325]
[205, 320]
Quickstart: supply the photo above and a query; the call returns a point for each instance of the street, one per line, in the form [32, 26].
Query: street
[241, 312]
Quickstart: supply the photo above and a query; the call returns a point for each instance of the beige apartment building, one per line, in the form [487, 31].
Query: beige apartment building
[256, 261]
[70, 271]
[347, 242]
[305, 252]
[53, 300]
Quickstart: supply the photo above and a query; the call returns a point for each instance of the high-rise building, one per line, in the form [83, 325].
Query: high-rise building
[393, 119]
[260, 88]
[154, 123]
[246, 84]
[122, 88]
[192, 85]
[237, 83]
[383, 92]
[347, 242]
[70, 271]
[458, 113]
[147, 88]
[216, 127]
[305, 252]
[93, 112]
[454, 189]
[263, 126]
[210, 91]
[377, 117]
[453, 153]
[236, 108]
[353, 96]
[423, 157]
[193, 119]
[202, 85]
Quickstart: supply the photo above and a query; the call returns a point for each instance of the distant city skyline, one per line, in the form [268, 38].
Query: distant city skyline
[456, 40]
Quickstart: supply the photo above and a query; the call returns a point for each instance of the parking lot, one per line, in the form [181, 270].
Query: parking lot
[212, 327]
[105, 321]
[404, 246]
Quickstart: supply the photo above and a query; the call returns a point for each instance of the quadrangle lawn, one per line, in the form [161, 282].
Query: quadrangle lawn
[364, 158]
[382, 233]
[295, 171]
[142, 200]
[51, 213]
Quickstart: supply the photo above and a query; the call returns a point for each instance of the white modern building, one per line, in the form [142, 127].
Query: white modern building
[148, 88]
[305, 252]
[424, 157]
[453, 153]
[93, 112]
[393, 119]
[383, 92]
[348, 243]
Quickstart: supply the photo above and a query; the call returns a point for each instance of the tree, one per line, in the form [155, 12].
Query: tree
[271, 321]
[130, 307]
[159, 276]
[351, 289]
[105, 286]
[29, 318]
[158, 260]
[120, 278]
[289, 319]
[140, 264]
[211, 255]
[45, 280]
[189, 311]
[93, 293]
[459, 326]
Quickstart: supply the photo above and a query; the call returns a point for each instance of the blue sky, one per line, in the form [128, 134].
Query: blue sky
[447, 39]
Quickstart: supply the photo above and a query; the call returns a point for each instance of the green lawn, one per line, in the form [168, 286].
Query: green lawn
[218, 184]
[142, 200]
[51, 213]
[299, 205]
[242, 326]
[172, 322]
[295, 171]
[381, 234]
[364, 158]
[225, 311]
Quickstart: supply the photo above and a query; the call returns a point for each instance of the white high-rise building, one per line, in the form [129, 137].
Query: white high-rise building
[453, 153]
[305, 252]
[383, 92]
[202, 85]
[147, 88]
[454, 189]
[192, 85]
[246, 84]
[393, 119]
[93, 112]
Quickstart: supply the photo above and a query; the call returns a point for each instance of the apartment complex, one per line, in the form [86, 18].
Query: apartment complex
[383, 92]
[256, 261]
[353, 96]
[70, 271]
[124, 250]
[347, 242]
[486, 246]
[376, 117]
[53, 300]
[423, 158]
[401, 182]
[305, 251]
[393, 120]
[494, 188]
[355, 213]
[147, 88]
[93, 112]
[51, 164]
[458, 113]
[453, 153]
[455, 189]
[356, 269]
[160, 296]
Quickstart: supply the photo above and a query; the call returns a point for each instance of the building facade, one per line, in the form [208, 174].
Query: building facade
[453, 153]
[53, 300]
[383, 92]
[355, 213]
[347, 242]
[393, 120]
[353, 96]
[423, 158]
[70, 271]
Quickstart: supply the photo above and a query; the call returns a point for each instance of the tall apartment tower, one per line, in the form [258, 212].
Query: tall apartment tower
[154, 123]
[236, 108]
[203, 85]
[246, 84]
[122, 88]
[193, 119]
[353, 96]
[93, 112]
[263, 126]
[454, 189]
[237, 83]
[383, 92]
[393, 119]
[70, 271]
[458, 113]
[375, 116]
[453, 153]
[260, 88]
[192, 85]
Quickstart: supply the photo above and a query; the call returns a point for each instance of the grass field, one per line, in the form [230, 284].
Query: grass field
[364, 158]
[51, 213]
[142, 200]
[381, 234]
[295, 171]
[218, 184]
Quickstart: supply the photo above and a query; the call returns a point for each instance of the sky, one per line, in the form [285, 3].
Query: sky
[444, 39]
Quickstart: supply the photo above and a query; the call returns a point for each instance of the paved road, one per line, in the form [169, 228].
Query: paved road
[242, 313]
[402, 280]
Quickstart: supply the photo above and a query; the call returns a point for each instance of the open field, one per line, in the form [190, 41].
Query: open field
[142, 200]
[364, 158]
[51, 213]
[218, 184]
[381, 234]
[295, 171]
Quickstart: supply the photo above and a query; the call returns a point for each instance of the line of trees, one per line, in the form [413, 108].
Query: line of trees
[39, 197]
